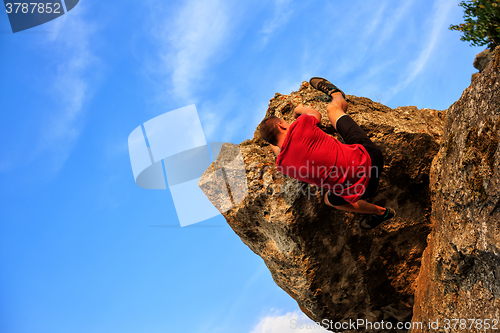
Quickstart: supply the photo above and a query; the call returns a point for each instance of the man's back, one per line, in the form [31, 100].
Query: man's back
[310, 155]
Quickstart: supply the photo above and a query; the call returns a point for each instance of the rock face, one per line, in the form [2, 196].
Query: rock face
[482, 60]
[317, 254]
[460, 275]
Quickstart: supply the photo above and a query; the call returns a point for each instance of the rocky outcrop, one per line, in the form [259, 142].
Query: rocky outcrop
[319, 255]
[481, 61]
[339, 272]
[460, 275]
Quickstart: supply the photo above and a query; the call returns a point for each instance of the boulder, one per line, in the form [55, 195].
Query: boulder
[320, 256]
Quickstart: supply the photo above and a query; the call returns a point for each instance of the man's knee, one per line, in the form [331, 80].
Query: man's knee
[326, 200]
[335, 205]
[337, 104]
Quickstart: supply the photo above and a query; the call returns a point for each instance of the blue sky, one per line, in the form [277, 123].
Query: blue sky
[84, 249]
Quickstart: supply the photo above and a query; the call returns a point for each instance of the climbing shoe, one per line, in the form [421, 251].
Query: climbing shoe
[325, 86]
[373, 221]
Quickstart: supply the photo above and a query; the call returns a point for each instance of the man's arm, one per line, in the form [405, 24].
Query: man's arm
[301, 109]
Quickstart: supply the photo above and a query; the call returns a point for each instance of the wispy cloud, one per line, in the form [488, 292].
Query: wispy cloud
[62, 60]
[190, 39]
[70, 86]
[392, 22]
[287, 323]
[62, 125]
[430, 41]
[375, 25]
[215, 116]
[282, 13]
[371, 26]
[234, 306]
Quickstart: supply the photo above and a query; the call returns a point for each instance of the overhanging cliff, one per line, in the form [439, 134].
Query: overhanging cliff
[317, 254]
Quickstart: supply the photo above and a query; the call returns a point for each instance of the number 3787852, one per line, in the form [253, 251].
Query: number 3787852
[33, 7]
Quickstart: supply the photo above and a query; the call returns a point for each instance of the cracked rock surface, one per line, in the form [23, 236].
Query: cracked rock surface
[460, 275]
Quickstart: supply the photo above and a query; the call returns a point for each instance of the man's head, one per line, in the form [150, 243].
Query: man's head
[271, 128]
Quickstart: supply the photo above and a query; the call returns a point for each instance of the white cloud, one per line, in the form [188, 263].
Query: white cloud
[62, 126]
[393, 22]
[290, 322]
[64, 88]
[190, 39]
[282, 13]
[213, 322]
[214, 116]
[430, 41]
[376, 25]
[372, 17]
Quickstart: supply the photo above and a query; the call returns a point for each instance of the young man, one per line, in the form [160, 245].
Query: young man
[350, 172]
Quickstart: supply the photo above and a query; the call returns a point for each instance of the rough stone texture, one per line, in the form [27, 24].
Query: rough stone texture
[474, 76]
[480, 63]
[482, 60]
[460, 275]
[318, 255]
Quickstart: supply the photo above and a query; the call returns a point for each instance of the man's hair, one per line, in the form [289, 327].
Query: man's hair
[268, 129]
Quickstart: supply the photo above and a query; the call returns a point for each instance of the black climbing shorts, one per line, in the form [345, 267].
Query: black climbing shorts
[351, 133]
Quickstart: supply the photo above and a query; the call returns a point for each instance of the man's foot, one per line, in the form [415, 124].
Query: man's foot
[325, 86]
[373, 221]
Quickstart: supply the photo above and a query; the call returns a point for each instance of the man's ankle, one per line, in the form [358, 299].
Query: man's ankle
[383, 212]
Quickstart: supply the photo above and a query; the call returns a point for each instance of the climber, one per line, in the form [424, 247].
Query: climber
[350, 172]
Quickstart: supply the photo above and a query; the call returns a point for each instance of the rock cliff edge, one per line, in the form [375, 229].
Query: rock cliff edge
[460, 275]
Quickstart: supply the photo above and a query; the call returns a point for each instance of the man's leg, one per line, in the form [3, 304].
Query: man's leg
[359, 207]
[336, 108]
[352, 134]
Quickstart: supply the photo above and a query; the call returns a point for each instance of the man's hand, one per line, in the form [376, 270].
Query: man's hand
[301, 109]
[298, 110]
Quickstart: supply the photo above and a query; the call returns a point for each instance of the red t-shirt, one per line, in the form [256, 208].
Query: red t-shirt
[310, 155]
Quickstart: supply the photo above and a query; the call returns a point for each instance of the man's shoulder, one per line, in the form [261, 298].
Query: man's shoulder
[308, 118]
[305, 121]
